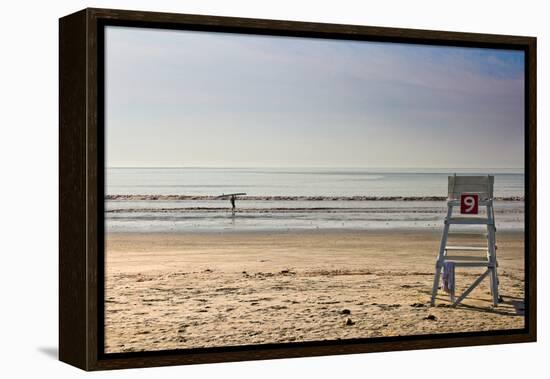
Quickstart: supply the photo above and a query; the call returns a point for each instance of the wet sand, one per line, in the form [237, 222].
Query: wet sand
[178, 291]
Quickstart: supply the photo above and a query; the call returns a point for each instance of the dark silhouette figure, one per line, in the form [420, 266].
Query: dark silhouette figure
[232, 200]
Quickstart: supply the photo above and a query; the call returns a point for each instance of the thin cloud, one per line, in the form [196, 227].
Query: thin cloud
[175, 97]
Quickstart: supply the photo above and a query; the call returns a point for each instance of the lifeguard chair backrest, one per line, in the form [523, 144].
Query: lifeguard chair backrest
[480, 184]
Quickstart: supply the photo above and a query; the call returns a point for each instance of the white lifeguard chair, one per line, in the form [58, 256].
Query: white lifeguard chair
[469, 193]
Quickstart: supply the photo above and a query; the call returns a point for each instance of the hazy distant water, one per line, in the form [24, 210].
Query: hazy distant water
[332, 207]
[297, 181]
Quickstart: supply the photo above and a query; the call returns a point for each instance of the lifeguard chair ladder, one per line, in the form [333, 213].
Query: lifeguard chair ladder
[459, 186]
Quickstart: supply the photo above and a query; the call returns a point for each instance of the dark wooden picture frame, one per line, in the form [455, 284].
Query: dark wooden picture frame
[81, 183]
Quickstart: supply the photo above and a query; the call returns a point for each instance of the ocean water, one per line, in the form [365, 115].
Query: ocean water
[187, 199]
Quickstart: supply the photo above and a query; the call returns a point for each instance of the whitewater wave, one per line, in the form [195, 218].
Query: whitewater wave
[290, 198]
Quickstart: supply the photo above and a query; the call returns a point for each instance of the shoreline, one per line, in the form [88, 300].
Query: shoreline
[215, 216]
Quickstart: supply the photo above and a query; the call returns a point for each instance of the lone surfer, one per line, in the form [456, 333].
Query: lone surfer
[232, 200]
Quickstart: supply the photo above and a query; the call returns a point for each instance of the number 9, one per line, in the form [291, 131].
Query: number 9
[469, 202]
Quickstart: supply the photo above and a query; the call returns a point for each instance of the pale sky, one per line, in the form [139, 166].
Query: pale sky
[181, 98]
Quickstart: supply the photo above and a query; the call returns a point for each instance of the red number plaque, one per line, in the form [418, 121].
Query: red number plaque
[469, 203]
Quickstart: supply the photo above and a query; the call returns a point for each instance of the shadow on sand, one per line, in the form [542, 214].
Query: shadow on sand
[516, 306]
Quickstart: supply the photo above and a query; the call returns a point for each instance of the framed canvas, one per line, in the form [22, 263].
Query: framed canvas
[240, 189]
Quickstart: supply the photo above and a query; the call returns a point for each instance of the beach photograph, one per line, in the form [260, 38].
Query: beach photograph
[273, 190]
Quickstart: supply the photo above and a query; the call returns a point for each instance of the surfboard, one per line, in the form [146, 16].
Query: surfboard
[231, 194]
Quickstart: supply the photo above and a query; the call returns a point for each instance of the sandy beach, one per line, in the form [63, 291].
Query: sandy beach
[185, 290]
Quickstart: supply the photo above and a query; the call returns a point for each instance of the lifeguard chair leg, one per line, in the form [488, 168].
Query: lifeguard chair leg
[493, 268]
[491, 236]
[436, 283]
[441, 255]
[496, 292]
